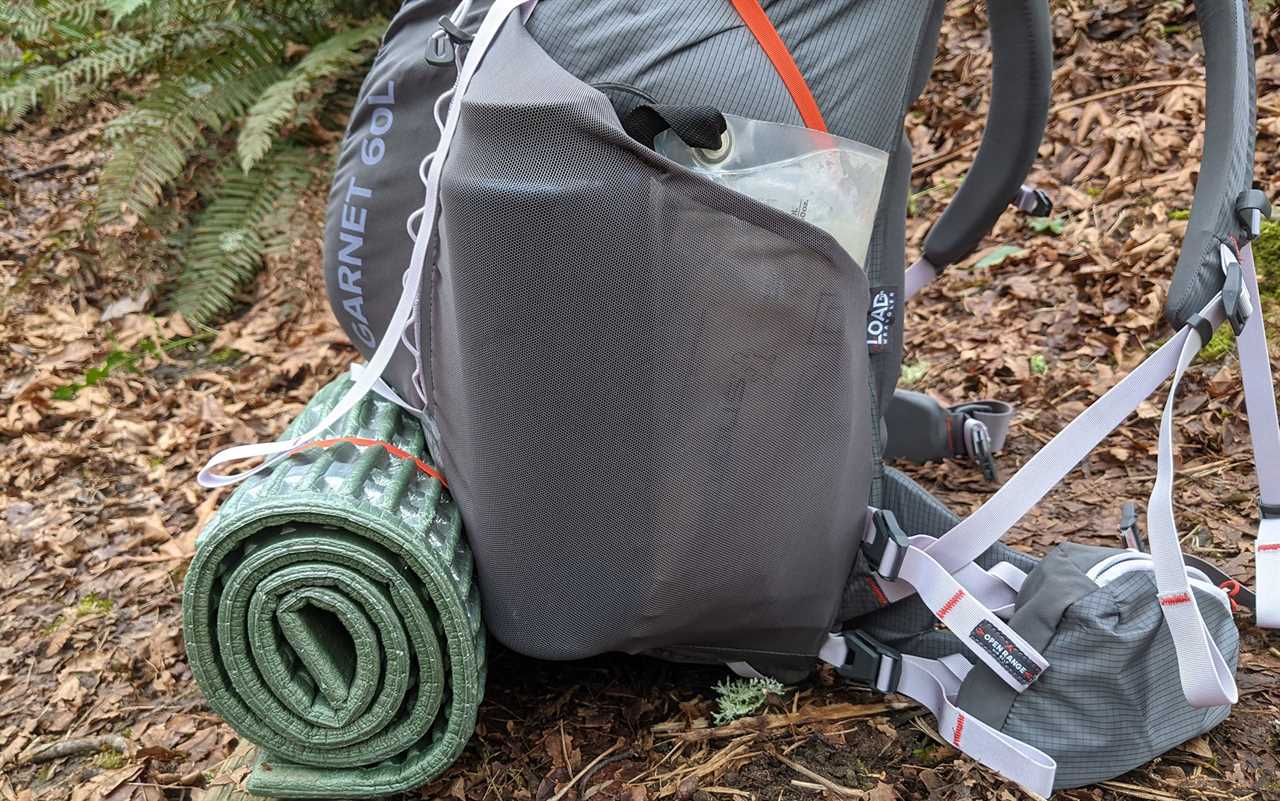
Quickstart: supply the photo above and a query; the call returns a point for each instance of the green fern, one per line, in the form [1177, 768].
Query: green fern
[156, 140]
[279, 103]
[230, 235]
[215, 73]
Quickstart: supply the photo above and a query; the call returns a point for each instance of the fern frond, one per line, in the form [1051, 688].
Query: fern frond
[225, 249]
[77, 78]
[279, 103]
[50, 22]
[154, 141]
[17, 100]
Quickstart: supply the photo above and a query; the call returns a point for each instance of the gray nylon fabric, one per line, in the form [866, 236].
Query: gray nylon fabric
[1049, 591]
[1226, 169]
[1022, 71]
[1111, 699]
[376, 185]
[864, 60]
[649, 388]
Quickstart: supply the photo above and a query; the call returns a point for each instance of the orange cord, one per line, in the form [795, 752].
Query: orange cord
[762, 28]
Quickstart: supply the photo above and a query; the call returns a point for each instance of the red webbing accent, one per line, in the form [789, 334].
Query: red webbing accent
[371, 443]
[758, 23]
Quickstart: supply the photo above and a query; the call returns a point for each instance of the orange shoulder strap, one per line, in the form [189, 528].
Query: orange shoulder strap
[758, 23]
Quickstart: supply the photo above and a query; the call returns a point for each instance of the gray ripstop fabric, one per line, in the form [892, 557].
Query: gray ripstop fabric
[650, 389]
[1111, 699]
[331, 618]
[866, 61]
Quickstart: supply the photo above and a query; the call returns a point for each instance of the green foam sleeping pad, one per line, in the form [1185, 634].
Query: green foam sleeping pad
[331, 614]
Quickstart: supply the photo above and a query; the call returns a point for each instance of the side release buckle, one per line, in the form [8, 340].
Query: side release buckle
[977, 440]
[867, 660]
[887, 547]
[1130, 528]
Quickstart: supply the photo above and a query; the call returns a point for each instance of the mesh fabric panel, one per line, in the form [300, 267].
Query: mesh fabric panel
[652, 391]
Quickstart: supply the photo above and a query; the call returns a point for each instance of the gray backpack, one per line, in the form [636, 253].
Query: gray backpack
[664, 407]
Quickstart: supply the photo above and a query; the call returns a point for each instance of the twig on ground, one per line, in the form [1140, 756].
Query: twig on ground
[699, 731]
[574, 781]
[585, 781]
[77, 745]
[838, 789]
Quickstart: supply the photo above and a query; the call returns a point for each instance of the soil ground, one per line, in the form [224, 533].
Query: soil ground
[100, 508]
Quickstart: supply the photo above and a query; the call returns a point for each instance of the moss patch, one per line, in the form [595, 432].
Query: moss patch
[110, 759]
[1266, 255]
[94, 603]
[1223, 340]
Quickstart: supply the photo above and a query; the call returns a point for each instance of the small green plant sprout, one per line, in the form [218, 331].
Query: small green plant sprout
[1047, 225]
[912, 373]
[94, 604]
[998, 255]
[738, 698]
[1038, 364]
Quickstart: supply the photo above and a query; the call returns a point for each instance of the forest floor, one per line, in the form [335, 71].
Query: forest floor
[108, 407]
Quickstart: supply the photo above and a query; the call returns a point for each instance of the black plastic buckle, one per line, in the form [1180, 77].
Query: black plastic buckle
[439, 51]
[1129, 527]
[457, 35]
[1035, 203]
[974, 442]
[1235, 294]
[887, 531]
[863, 661]
[1252, 207]
[979, 442]
[1269, 511]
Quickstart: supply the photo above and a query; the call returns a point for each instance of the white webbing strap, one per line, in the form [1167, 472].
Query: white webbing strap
[1264, 431]
[934, 684]
[976, 626]
[918, 276]
[973, 535]
[411, 282]
[1207, 679]
[997, 588]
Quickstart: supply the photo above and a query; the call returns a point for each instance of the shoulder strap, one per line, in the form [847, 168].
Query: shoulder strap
[766, 34]
[1021, 75]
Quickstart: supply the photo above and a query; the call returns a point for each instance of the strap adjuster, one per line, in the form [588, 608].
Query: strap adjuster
[1235, 293]
[1033, 202]
[977, 441]
[1130, 529]
[1269, 511]
[865, 660]
[889, 539]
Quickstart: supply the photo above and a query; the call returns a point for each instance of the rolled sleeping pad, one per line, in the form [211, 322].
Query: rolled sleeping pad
[331, 614]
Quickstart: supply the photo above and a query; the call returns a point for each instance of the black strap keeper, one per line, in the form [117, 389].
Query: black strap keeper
[1270, 511]
[1250, 201]
[1203, 327]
